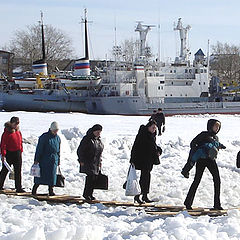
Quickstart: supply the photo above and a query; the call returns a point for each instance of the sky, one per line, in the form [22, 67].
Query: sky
[216, 20]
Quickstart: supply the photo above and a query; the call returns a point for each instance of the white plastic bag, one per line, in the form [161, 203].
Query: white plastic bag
[132, 186]
[35, 170]
[11, 174]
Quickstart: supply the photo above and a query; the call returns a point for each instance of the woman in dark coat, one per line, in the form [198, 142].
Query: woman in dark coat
[48, 156]
[145, 153]
[89, 156]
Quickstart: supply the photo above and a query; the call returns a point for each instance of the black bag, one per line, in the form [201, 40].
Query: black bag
[60, 179]
[238, 160]
[101, 182]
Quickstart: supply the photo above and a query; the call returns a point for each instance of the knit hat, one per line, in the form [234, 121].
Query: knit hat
[97, 127]
[54, 126]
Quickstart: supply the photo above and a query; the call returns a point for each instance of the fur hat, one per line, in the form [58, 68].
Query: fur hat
[54, 126]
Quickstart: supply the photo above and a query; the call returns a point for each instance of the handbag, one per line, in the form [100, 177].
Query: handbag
[60, 179]
[238, 160]
[101, 182]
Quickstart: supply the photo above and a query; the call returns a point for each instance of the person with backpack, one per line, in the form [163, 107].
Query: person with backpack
[90, 158]
[204, 149]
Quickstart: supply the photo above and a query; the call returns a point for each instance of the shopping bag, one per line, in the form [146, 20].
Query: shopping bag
[132, 186]
[101, 182]
[60, 179]
[11, 174]
[35, 170]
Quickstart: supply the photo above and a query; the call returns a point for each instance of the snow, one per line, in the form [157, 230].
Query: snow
[28, 219]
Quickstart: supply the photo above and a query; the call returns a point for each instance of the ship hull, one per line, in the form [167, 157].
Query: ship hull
[140, 106]
[41, 102]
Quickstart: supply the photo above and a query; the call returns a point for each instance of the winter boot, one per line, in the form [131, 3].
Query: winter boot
[185, 174]
[34, 189]
[146, 199]
[137, 199]
[50, 189]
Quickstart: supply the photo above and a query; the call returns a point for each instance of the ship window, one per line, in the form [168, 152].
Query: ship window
[204, 83]
[172, 83]
[166, 95]
[196, 71]
[162, 87]
[199, 83]
[170, 71]
[159, 88]
[157, 74]
[186, 70]
[161, 82]
[190, 70]
[186, 95]
[150, 74]
[171, 95]
[205, 70]
[201, 70]
[174, 71]
[186, 83]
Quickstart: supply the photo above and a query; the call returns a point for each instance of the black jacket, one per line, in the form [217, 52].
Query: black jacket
[145, 151]
[89, 153]
[206, 136]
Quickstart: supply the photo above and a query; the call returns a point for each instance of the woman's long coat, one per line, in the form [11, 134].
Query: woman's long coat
[144, 152]
[90, 154]
[48, 156]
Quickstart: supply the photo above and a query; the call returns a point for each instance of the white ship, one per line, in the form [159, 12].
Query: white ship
[178, 88]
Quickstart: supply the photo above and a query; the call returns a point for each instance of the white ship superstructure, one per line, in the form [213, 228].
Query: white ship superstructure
[144, 86]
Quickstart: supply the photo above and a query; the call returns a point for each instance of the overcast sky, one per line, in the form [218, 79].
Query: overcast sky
[216, 20]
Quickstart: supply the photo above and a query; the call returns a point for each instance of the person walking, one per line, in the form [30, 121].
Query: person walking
[90, 158]
[11, 151]
[48, 156]
[208, 160]
[145, 153]
[159, 118]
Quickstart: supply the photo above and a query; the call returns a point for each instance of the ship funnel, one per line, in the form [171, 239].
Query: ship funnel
[82, 67]
[40, 67]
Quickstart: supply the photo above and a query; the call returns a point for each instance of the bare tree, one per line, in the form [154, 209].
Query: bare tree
[226, 62]
[27, 44]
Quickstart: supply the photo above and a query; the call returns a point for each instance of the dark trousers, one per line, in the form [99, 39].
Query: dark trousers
[211, 165]
[159, 126]
[189, 165]
[144, 182]
[89, 185]
[15, 159]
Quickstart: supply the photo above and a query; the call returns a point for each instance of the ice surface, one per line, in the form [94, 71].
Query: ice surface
[23, 218]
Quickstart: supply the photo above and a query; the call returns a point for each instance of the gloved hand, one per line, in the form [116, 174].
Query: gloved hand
[222, 146]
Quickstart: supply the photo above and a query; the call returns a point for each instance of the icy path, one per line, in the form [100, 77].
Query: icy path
[29, 219]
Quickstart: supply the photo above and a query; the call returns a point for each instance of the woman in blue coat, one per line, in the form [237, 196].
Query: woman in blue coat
[48, 156]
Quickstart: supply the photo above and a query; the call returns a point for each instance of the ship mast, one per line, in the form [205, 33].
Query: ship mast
[43, 38]
[184, 51]
[86, 34]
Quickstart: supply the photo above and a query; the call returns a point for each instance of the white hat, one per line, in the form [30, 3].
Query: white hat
[54, 126]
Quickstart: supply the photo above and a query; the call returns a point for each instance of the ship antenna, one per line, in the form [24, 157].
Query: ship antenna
[43, 39]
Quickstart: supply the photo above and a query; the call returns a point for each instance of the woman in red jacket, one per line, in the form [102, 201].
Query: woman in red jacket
[11, 151]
